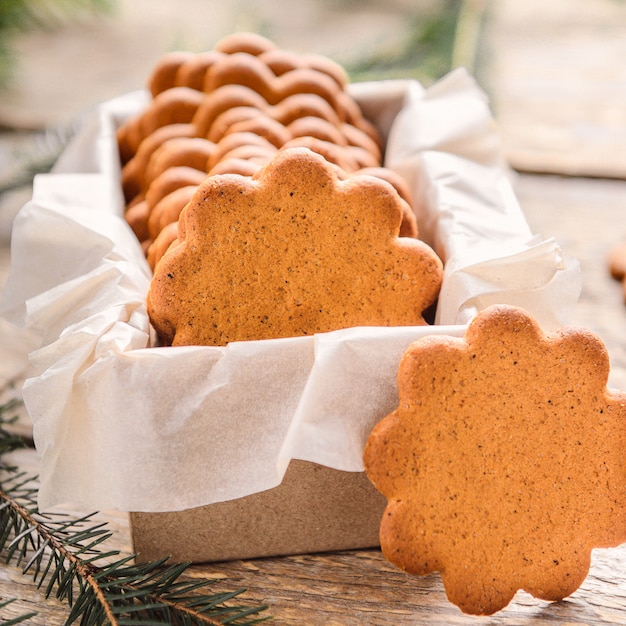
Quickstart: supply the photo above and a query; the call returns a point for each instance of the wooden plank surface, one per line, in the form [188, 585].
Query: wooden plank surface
[360, 587]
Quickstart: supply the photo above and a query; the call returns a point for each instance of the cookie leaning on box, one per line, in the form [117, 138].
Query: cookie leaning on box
[504, 464]
[291, 251]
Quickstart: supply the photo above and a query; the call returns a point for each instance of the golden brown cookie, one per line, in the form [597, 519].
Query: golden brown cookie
[173, 106]
[171, 179]
[237, 140]
[167, 238]
[217, 102]
[192, 73]
[241, 167]
[250, 103]
[193, 152]
[137, 217]
[248, 70]
[617, 265]
[290, 252]
[304, 105]
[251, 43]
[368, 139]
[318, 128]
[250, 120]
[177, 105]
[338, 155]
[164, 74]
[409, 221]
[503, 465]
[283, 61]
[617, 261]
[134, 171]
[251, 152]
[168, 209]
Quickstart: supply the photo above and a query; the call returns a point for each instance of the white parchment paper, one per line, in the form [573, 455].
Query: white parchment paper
[121, 424]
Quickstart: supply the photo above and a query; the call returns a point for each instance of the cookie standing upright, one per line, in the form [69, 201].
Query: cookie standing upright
[291, 251]
[504, 464]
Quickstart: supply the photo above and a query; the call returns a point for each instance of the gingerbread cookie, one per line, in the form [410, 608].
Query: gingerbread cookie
[291, 251]
[168, 209]
[168, 236]
[230, 110]
[251, 43]
[134, 170]
[617, 265]
[503, 464]
[283, 61]
[192, 152]
[244, 119]
[164, 74]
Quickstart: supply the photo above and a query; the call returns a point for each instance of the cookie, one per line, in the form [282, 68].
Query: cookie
[167, 237]
[177, 105]
[192, 73]
[318, 128]
[236, 140]
[291, 251]
[193, 152]
[248, 70]
[408, 228]
[137, 216]
[171, 179]
[164, 74]
[134, 170]
[241, 167]
[221, 100]
[617, 265]
[168, 209]
[244, 119]
[251, 43]
[338, 155]
[503, 464]
[204, 105]
[283, 61]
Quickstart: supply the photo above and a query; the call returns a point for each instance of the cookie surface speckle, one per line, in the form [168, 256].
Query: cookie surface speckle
[290, 252]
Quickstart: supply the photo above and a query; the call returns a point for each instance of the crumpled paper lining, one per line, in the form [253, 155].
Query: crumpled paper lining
[121, 424]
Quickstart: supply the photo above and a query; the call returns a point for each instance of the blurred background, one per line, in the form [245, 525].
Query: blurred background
[553, 71]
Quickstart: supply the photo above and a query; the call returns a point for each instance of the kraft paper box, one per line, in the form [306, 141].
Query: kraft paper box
[254, 448]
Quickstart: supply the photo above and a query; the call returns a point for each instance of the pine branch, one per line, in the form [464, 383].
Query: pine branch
[67, 557]
[15, 620]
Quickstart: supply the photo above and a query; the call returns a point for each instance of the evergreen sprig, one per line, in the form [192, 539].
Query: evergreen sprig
[68, 557]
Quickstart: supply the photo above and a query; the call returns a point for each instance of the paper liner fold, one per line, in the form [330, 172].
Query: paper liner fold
[121, 424]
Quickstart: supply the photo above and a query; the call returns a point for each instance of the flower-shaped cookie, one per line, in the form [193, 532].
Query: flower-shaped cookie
[504, 464]
[292, 251]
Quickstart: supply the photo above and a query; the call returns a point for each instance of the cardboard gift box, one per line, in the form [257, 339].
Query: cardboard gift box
[255, 448]
[314, 509]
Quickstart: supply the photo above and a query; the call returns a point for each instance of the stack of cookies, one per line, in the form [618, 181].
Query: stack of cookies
[256, 187]
[230, 110]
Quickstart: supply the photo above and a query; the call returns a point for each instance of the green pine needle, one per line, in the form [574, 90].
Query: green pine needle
[15, 620]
